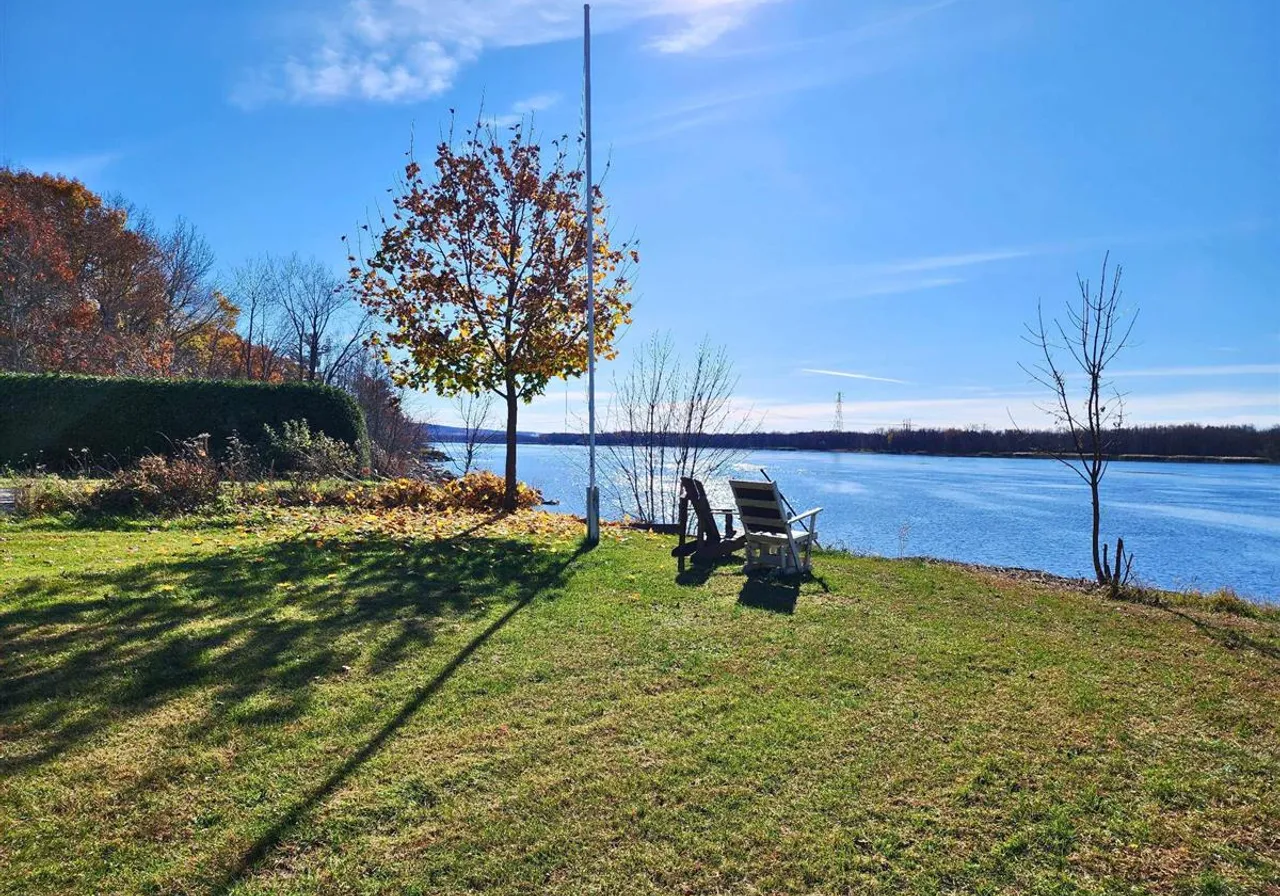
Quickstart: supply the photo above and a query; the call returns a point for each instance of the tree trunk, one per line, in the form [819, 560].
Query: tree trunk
[1097, 520]
[513, 407]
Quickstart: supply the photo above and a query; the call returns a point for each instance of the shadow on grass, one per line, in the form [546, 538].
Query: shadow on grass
[698, 571]
[775, 593]
[264, 845]
[1229, 637]
[255, 629]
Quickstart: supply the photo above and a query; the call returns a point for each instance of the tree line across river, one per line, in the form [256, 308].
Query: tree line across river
[1174, 442]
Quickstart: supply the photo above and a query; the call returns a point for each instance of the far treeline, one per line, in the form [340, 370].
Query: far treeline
[1181, 442]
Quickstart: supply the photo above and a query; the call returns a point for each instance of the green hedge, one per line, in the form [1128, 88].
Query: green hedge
[43, 417]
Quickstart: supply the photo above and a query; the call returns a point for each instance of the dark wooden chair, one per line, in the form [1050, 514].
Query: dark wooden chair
[708, 544]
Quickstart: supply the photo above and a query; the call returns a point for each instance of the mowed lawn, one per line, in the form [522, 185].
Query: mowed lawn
[317, 703]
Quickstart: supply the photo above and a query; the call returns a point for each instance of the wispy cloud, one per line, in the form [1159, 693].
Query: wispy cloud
[871, 288]
[1210, 370]
[799, 65]
[856, 376]
[717, 106]
[1222, 407]
[411, 50]
[521, 109]
[870, 31]
[860, 280]
[950, 262]
[86, 166]
[706, 23]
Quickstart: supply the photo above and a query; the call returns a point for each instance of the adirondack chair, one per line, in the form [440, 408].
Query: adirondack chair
[708, 544]
[776, 538]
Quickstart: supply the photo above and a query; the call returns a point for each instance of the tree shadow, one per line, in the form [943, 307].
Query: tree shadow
[1229, 637]
[256, 629]
[267, 842]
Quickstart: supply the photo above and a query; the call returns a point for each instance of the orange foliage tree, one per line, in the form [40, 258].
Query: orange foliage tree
[79, 290]
[480, 273]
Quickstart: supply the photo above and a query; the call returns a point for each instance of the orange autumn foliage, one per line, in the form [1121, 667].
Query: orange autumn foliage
[79, 290]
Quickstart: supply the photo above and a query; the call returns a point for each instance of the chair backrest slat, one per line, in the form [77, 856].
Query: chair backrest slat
[759, 506]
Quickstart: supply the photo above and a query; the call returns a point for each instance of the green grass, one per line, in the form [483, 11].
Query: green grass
[306, 703]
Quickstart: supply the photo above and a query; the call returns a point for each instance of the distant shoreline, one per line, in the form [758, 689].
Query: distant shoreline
[1014, 455]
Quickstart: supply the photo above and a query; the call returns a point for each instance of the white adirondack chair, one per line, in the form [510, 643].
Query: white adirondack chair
[775, 539]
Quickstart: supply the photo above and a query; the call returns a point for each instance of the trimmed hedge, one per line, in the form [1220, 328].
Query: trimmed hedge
[43, 417]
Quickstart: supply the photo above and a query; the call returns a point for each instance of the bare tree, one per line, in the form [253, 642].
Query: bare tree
[665, 419]
[474, 410]
[253, 290]
[323, 324]
[1094, 333]
[399, 442]
[187, 262]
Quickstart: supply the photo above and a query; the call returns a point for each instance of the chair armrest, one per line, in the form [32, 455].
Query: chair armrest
[808, 513]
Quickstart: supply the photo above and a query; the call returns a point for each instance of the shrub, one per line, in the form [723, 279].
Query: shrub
[1225, 600]
[241, 460]
[53, 418]
[160, 485]
[295, 448]
[482, 491]
[52, 494]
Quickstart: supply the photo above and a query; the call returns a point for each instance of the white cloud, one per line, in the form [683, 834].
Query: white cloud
[410, 50]
[856, 376]
[698, 34]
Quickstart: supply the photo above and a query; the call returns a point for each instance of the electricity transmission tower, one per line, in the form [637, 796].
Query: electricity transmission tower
[839, 422]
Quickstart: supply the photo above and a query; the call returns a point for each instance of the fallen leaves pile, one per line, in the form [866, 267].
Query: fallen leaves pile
[323, 524]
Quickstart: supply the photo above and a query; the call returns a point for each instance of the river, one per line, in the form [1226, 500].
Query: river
[1201, 526]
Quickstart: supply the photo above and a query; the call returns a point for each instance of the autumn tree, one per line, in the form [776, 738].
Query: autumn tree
[80, 290]
[479, 274]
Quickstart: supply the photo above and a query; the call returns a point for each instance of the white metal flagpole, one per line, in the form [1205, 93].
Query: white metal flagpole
[593, 493]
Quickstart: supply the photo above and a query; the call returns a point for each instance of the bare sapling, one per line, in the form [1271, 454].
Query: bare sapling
[1074, 358]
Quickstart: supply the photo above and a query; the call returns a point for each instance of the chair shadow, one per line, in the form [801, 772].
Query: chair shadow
[776, 593]
[698, 572]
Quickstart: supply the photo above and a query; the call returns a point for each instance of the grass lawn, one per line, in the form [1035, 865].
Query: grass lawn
[307, 702]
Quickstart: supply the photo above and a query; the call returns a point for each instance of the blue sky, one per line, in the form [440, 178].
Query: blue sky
[862, 188]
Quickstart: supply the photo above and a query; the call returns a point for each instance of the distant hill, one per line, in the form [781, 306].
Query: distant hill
[438, 432]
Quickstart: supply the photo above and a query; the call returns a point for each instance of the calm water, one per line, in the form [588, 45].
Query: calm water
[1189, 525]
